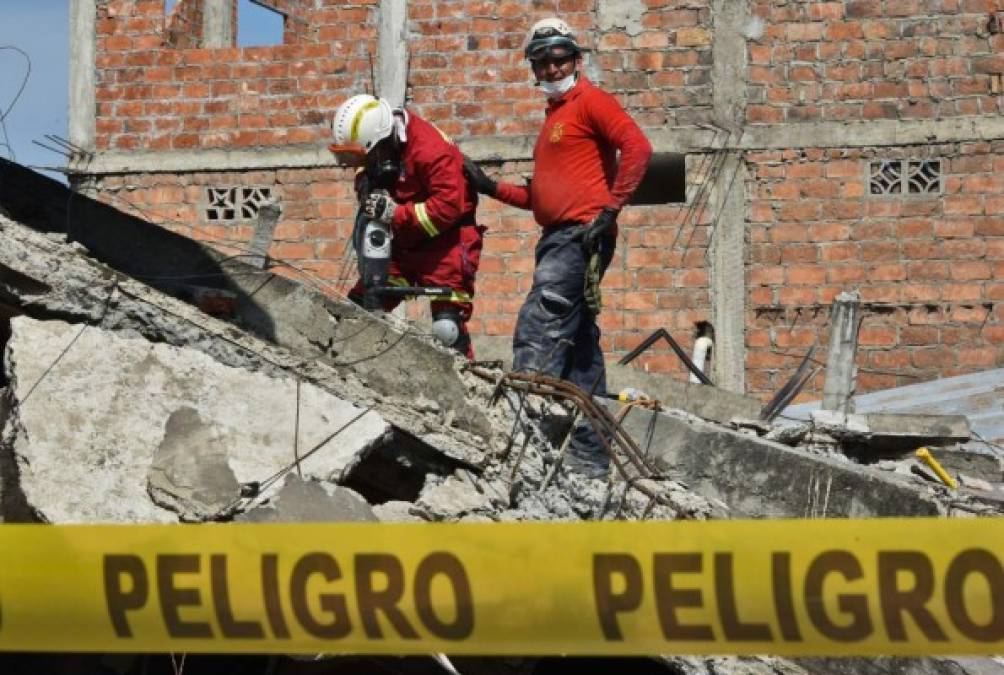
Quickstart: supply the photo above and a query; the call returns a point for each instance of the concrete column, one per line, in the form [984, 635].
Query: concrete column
[727, 200]
[841, 371]
[217, 23]
[392, 51]
[727, 258]
[83, 38]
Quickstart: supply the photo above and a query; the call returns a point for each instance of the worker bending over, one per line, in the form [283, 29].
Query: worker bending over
[413, 181]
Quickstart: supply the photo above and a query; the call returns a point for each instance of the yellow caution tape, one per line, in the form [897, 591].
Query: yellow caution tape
[798, 587]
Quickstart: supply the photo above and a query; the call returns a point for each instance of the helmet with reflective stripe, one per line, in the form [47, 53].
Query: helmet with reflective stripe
[549, 34]
[363, 119]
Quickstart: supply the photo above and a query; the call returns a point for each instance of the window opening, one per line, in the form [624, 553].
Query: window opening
[258, 25]
[665, 180]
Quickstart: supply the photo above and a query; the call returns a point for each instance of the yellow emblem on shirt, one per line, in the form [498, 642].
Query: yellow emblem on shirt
[556, 132]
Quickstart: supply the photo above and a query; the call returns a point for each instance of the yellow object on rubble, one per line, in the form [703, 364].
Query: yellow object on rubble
[925, 456]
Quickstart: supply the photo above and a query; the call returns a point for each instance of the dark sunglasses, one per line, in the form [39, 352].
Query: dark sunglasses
[545, 61]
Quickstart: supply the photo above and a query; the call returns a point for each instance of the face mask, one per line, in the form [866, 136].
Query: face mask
[556, 89]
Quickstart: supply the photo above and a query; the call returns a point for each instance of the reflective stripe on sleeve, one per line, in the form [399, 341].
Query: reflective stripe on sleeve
[424, 220]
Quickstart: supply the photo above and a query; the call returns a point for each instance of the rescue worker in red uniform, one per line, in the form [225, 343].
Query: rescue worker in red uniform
[413, 181]
[579, 186]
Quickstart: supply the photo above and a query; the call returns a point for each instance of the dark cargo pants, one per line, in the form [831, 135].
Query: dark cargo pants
[557, 335]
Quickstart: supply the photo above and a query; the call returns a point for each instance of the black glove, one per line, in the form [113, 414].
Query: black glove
[482, 183]
[606, 219]
[380, 207]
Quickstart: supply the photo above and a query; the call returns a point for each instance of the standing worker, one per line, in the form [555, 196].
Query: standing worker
[413, 181]
[579, 186]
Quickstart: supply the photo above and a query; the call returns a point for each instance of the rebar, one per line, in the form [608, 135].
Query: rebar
[625, 455]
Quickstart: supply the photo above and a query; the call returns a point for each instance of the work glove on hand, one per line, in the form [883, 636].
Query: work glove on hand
[482, 183]
[606, 219]
[591, 288]
[380, 207]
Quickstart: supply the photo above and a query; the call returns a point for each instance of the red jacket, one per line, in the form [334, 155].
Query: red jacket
[576, 171]
[432, 193]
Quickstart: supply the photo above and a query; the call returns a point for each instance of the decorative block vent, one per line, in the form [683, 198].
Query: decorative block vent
[905, 177]
[235, 203]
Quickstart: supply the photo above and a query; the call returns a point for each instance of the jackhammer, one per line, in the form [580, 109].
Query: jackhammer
[372, 242]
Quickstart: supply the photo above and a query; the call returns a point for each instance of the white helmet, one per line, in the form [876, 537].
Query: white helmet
[548, 34]
[363, 119]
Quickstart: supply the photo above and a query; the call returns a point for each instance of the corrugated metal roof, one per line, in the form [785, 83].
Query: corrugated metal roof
[979, 396]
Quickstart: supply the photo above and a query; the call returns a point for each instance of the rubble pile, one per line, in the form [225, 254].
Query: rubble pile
[123, 403]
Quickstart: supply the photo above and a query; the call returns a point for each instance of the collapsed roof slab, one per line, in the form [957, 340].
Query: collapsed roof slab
[106, 428]
[756, 478]
[303, 317]
[44, 277]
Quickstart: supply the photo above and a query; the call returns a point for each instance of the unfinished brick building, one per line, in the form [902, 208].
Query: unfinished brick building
[830, 145]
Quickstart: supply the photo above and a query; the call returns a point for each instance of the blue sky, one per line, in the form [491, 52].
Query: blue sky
[40, 29]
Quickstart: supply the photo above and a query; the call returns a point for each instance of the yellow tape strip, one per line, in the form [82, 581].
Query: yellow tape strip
[424, 220]
[797, 588]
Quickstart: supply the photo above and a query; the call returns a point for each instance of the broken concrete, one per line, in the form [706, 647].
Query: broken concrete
[310, 501]
[711, 403]
[129, 408]
[305, 315]
[872, 434]
[189, 473]
[455, 498]
[761, 479]
[44, 277]
[984, 465]
[707, 402]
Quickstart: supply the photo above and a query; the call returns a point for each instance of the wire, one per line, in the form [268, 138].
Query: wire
[69, 345]
[17, 96]
[996, 447]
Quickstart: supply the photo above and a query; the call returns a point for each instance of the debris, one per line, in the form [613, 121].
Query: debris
[311, 501]
[975, 483]
[873, 434]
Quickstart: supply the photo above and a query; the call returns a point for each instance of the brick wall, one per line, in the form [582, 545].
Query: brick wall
[155, 96]
[930, 268]
[318, 210]
[874, 59]
[468, 70]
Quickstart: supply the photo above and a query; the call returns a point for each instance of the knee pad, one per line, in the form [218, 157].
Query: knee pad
[446, 326]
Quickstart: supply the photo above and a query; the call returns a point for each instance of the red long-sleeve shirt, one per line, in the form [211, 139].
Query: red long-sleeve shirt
[576, 172]
[432, 194]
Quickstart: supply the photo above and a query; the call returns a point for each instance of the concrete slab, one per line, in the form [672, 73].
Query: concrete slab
[43, 276]
[760, 479]
[91, 409]
[878, 433]
[711, 403]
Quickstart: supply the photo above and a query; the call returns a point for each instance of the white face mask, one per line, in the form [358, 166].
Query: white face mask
[556, 89]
